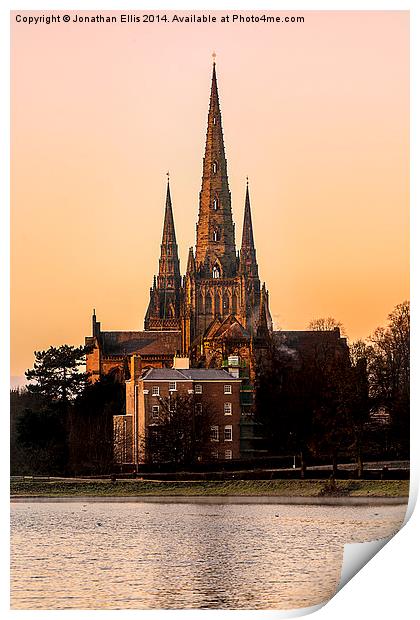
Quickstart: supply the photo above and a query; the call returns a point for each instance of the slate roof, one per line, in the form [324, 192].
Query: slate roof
[143, 343]
[308, 340]
[188, 374]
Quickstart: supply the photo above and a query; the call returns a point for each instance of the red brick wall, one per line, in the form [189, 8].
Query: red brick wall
[213, 400]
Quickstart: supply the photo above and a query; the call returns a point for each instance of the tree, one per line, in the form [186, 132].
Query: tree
[91, 440]
[55, 381]
[328, 368]
[57, 375]
[42, 435]
[180, 431]
[285, 400]
[389, 373]
[20, 401]
[326, 324]
[303, 397]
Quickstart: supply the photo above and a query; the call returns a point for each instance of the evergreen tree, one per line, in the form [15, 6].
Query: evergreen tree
[57, 375]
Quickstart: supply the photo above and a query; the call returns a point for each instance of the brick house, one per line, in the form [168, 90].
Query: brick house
[213, 399]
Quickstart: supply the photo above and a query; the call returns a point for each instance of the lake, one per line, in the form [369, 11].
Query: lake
[137, 555]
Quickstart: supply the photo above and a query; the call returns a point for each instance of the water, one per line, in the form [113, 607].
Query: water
[181, 556]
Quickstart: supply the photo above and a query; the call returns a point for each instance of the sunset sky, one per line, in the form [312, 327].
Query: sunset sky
[316, 114]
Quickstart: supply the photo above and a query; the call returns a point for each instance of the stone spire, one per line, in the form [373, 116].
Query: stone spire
[169, 277]
[164, 306]
[262, 329]
[191, 262]
[248, 260]
[215, 248]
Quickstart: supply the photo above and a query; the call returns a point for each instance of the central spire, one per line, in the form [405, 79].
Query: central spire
[215, 247]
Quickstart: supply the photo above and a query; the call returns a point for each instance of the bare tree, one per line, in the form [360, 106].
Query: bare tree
[389, 371]
[326, 324]
[180, 431]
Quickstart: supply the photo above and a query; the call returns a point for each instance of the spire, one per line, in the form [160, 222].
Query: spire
[191, 262]
[169, 274]
[248, 259]
[215, 229]
[165, 295]
[262, 329]
[168, 236]
[96, 326]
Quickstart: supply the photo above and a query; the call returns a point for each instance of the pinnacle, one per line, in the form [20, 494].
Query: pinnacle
[247, 232]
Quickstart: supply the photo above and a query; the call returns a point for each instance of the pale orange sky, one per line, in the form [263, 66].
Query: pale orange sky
[317, 114]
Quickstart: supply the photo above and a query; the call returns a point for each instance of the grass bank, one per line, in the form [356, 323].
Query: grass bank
[284, 488]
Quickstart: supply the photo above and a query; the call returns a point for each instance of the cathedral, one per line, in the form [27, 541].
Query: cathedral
[219, 308]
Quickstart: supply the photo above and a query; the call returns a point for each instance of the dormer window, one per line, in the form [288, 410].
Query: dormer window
[216, 272]
[214, 167]
[214, 120]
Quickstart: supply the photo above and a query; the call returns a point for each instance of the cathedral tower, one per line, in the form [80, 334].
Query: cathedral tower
[215, 248]
[221, 292]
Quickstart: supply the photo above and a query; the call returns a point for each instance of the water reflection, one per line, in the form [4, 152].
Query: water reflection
[183, 556]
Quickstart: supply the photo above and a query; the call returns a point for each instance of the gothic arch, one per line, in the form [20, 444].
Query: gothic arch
[234, 303]
[226, 304]
[209, 304]
[218, 303]
[202, 302]
[217, 271]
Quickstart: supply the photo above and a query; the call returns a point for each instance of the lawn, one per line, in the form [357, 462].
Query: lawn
[284, 488]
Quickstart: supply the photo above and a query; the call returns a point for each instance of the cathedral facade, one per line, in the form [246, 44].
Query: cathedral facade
[219, 308]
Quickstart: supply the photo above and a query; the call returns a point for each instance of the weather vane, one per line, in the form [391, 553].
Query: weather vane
[167, 174]
[214, 57]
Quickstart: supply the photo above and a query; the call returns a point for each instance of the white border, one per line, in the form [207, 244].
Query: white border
[387, 587]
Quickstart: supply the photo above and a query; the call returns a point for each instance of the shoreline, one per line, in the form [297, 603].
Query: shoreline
[308, 491]
[218, 499]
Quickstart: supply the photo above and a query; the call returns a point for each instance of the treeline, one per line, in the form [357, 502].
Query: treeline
[61, 424]
[330, 401]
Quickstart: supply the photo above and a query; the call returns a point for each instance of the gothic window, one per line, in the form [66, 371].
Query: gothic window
[208, 304]
[214, 167]
[214, 120]
[215, 235]
[215, 203]
[225, 304]
[234, 303]
[202, 304]
[216, 272]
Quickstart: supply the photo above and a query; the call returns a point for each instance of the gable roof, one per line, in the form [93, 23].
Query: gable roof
[142, 343]
[188, 374]
[230, 328]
